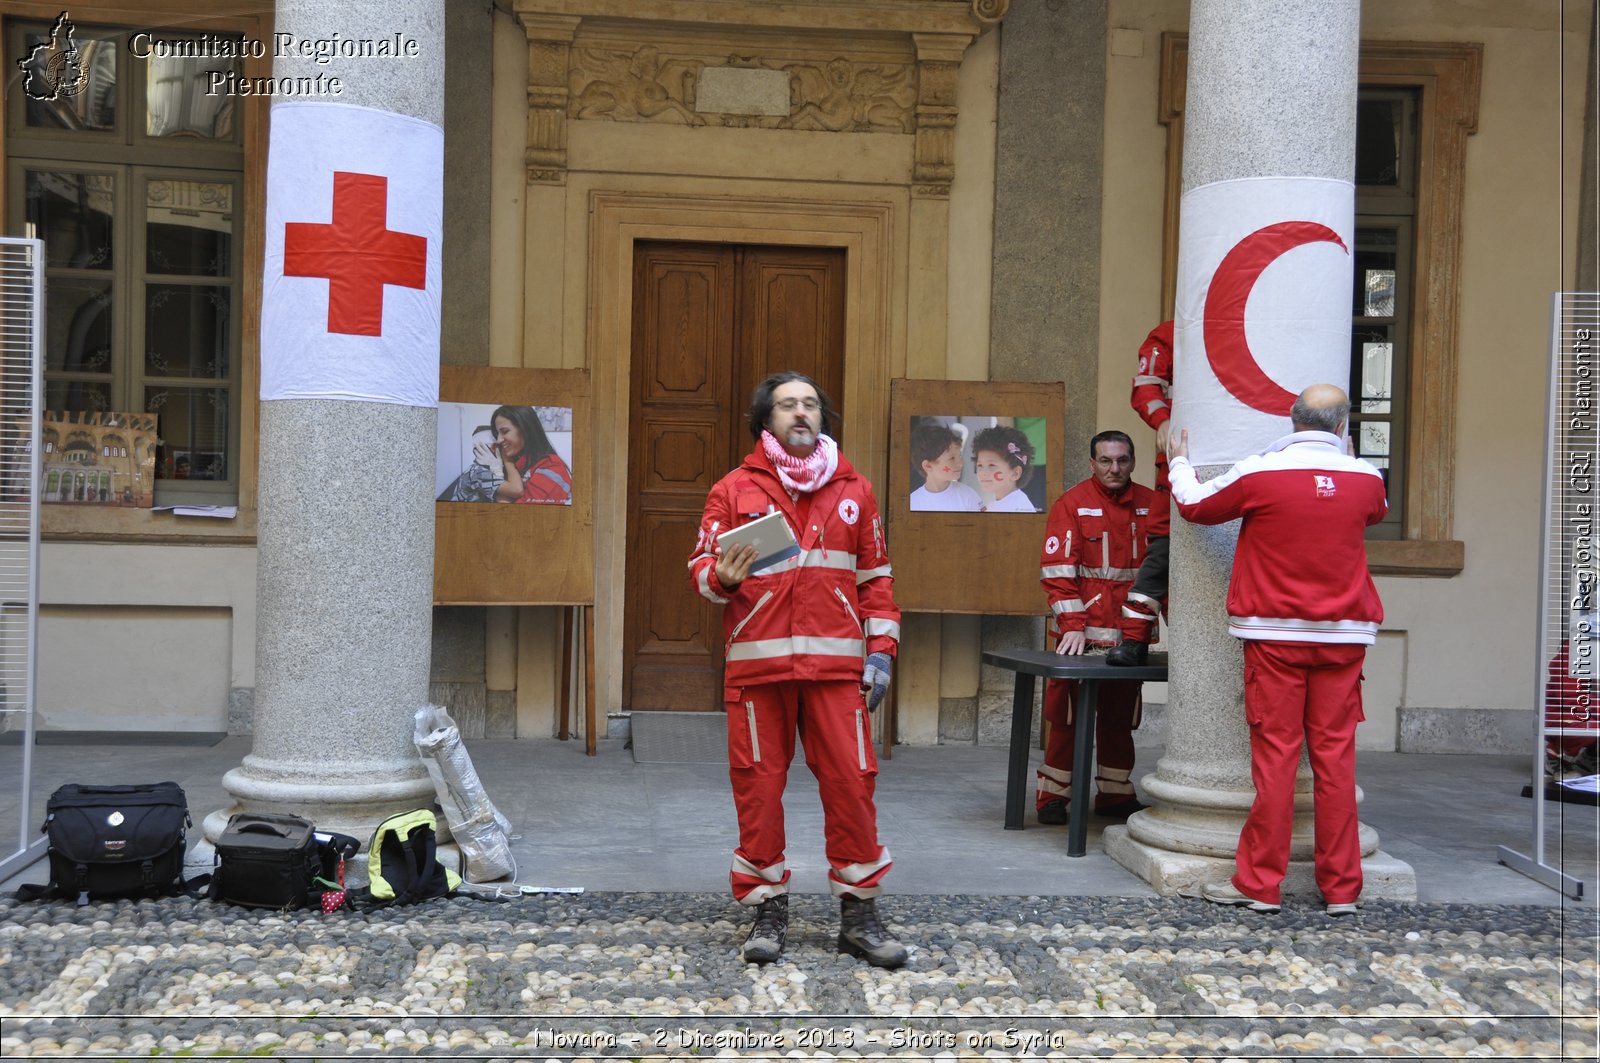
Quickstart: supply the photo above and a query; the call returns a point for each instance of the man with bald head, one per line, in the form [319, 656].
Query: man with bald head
[1305, 606]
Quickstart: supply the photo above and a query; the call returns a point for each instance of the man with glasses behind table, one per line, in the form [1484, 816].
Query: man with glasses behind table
[1096, 535]
[810, 642]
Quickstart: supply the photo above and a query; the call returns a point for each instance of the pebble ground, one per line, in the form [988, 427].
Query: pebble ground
[658, 976]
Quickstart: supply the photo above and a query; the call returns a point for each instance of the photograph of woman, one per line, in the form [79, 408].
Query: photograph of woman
[513, 456]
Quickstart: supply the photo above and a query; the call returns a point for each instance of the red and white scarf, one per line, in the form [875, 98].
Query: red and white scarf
[802, 475]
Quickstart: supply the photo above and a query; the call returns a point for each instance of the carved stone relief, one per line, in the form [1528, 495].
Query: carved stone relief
[840, 95]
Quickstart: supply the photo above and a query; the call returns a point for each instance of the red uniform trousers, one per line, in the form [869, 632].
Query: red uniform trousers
[831, 719]
[1115, 714]
[1296, 691]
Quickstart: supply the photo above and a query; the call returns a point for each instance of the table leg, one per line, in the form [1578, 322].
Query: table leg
[1082, 769]
[1017, 771]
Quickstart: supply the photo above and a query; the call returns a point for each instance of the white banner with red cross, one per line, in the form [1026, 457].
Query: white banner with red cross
[1262, 310]
[350, 300]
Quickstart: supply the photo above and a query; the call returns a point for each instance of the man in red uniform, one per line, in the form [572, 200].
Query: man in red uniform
[1095, 537]
[1304, 604]
[810, 640]
[1151, 400]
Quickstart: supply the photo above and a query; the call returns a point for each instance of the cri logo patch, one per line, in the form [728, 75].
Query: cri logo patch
[1325, 486]
[849, 512]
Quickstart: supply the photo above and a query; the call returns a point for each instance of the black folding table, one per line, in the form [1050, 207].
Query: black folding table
[1090, 670]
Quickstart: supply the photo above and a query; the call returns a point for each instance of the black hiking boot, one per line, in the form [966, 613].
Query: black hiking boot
[765, 941]
[861, 934]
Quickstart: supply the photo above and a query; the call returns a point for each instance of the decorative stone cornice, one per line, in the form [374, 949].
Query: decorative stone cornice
[858, 66]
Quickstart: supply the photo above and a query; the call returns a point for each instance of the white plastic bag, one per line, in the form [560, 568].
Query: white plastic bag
[478, 827]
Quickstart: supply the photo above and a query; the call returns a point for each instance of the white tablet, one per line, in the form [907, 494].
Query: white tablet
[771, 536]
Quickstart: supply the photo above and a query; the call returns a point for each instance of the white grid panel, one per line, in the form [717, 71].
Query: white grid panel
[21, 372]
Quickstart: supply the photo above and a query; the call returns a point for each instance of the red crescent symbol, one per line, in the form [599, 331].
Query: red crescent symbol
[1226, 348]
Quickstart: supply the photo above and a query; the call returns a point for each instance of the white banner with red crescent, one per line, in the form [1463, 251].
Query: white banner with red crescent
[1262, 310]
[350, 300]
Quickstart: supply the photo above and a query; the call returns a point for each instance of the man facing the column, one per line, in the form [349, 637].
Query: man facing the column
[1304, 603]
[1097, 532]
[810, 642]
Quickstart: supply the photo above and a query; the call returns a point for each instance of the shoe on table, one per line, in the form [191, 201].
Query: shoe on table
[1225, 893]
[765, 941]
[862, 935]
[1121, 809]
[1128, 654]
[1347, 908]
[1054, 813]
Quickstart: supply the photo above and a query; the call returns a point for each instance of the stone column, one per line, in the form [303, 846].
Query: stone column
[345, 540]
[1271, 93]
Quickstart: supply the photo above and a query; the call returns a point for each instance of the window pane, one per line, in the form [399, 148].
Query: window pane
[71, 213]
[177, 103]
[194, 432]
[189, 227]
[186, 330]
[71, 83]
[1377, 361]
[78, 325]
[1373, 442]
[1377, 254]
[1379, 124]
[73, 395]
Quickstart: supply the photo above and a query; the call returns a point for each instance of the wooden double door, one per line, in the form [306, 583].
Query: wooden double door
[710, 321]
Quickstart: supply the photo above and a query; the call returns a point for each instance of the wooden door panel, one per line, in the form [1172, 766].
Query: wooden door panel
[710, 321]
[679, 438]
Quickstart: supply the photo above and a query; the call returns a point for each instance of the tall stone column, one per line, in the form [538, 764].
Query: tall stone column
[350, 351]
[1271, 95]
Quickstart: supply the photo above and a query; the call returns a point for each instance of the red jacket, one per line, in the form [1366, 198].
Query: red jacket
[815, 616]
[1093, 544]
[1152, 389]
[1300, 569]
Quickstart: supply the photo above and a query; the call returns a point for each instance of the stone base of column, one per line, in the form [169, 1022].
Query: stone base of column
[1173, 874]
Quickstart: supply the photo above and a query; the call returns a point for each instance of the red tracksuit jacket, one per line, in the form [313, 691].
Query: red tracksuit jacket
[1300, 569]
[815, 616]
[1093, 544]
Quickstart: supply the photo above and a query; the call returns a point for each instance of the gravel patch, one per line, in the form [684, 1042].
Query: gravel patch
[643, 976]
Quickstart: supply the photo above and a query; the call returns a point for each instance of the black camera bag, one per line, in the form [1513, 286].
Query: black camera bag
[267, 860]
[114, 841]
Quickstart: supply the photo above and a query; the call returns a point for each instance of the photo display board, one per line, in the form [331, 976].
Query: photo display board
[513, 484]
[973, 469]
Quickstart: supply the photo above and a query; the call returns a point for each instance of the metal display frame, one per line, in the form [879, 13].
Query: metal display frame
[1569, 550]
[22, 317]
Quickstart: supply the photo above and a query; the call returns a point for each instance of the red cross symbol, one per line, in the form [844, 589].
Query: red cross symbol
[357, 253]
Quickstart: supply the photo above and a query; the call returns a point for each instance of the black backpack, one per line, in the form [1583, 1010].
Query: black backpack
[115, 841]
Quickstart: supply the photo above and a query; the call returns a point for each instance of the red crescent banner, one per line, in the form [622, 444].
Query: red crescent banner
[1231, 285]
[1262, 309]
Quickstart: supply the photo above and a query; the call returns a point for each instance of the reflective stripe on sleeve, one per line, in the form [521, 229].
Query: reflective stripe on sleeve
[1067, 605]
[1059, 572]
[865, 574]
[877, 626]
[1140, 381]
[704, 580]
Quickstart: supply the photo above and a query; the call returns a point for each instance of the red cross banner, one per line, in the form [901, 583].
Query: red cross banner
[350, 307]
[1263, 307]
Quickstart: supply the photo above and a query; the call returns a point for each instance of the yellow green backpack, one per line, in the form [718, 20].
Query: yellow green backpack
[403, 865]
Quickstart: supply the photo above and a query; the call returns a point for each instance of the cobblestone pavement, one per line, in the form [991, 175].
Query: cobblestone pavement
[643, 975]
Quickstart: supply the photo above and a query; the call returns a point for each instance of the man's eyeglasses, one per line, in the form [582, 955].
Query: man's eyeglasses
[790, 405]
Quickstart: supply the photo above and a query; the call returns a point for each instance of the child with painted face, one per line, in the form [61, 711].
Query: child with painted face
[1003, 458]
[936, 454]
